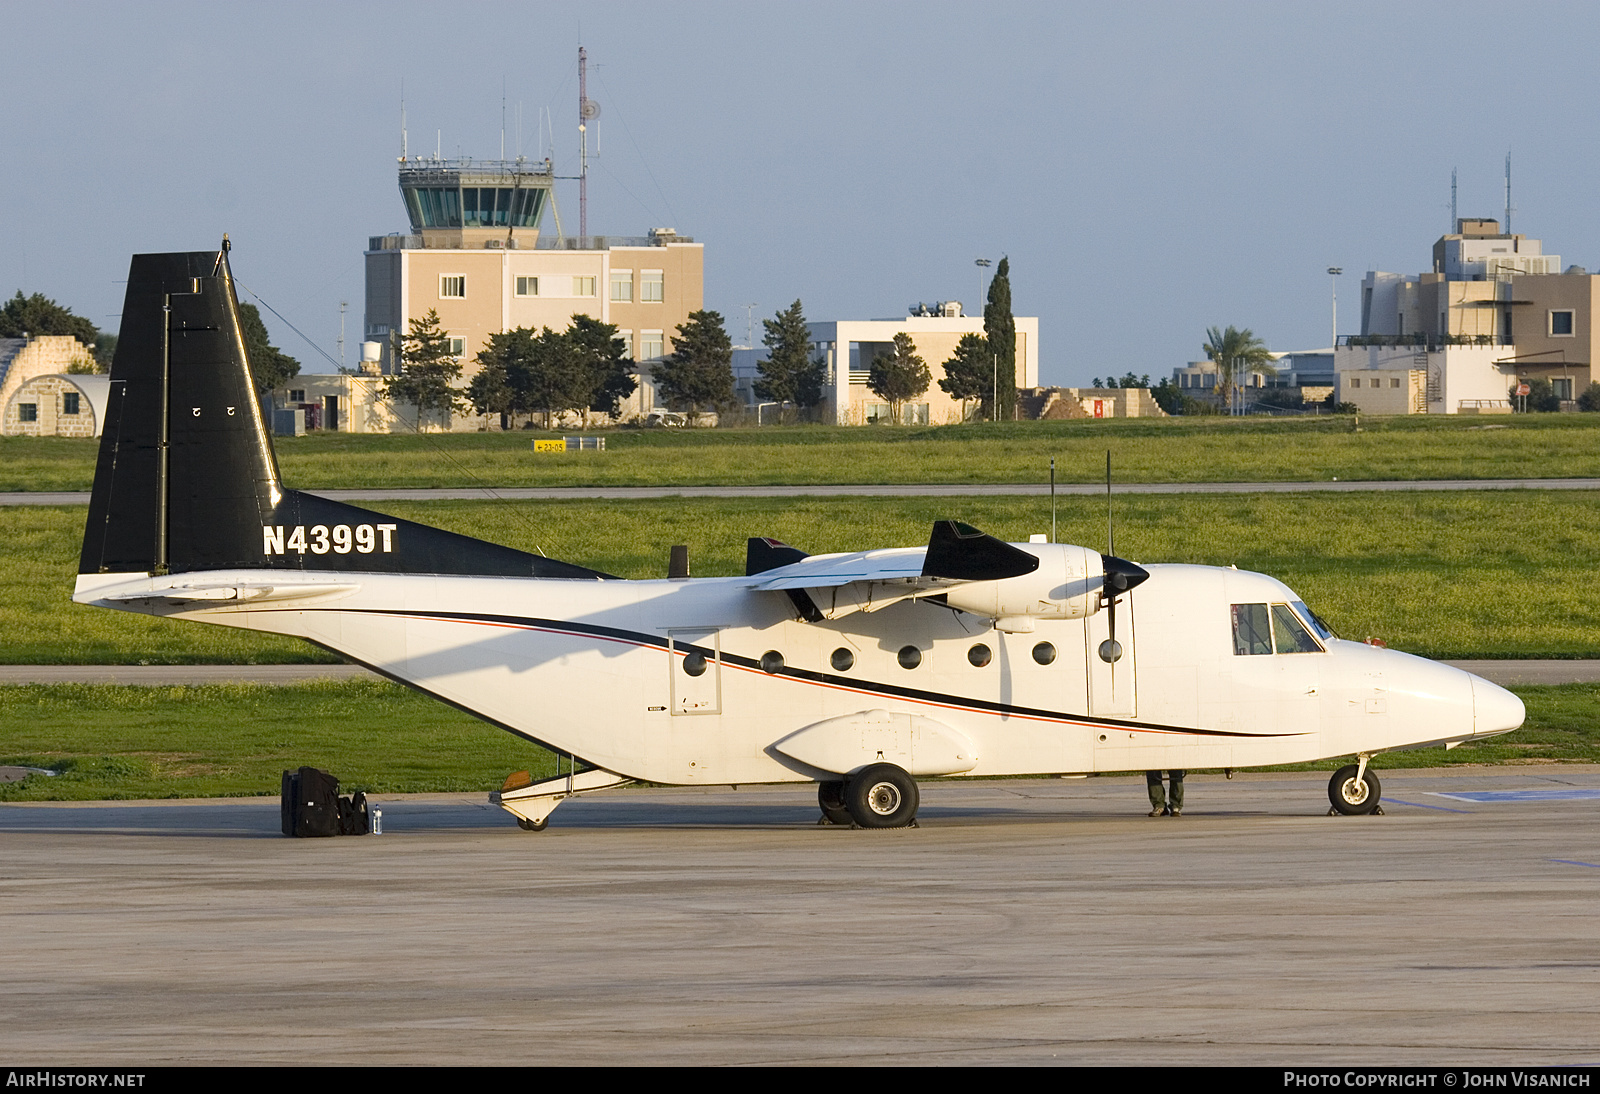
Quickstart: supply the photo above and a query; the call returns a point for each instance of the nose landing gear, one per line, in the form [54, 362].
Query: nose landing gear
[1355, 791]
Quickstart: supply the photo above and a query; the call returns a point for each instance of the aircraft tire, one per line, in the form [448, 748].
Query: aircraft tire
[882, 796]
[830, 796]
[533, 826]
[1349, 797]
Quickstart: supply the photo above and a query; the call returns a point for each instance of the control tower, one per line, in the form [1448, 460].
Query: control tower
[470, 204]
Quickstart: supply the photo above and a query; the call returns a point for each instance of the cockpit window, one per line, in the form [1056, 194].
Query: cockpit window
[1321, 629]
[1265, 629]
[1252, 634]
[1290, 633]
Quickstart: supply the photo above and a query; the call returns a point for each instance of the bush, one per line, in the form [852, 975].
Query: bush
[1590, 399]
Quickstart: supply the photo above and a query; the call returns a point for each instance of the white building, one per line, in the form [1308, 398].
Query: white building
[848, 348]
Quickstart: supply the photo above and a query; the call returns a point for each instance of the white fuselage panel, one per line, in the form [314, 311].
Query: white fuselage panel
[695, 681]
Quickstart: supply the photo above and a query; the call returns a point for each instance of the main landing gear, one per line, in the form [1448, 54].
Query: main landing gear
[1355, 791]
[877, 796]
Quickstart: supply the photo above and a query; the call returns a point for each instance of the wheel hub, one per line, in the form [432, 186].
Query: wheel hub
[884, 798]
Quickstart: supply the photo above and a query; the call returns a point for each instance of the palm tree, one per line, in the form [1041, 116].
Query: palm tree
[1236, 353]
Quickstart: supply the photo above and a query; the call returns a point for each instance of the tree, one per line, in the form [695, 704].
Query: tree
[969, 374]
[1236, 353]
[489, 393]
[427, 370]
[1171, 398]
[492, 390]
[1001, 331]
[105, 348]
[789, 375]
[583, 368]
[899, 375]
[271, 367]
[698, 373]
[602, 360]
[38, 314]
[1590, 399]
[545, 373]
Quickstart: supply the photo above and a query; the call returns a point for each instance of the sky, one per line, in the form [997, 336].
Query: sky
[1150, 169]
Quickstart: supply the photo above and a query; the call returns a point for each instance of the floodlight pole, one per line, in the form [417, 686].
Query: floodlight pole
[1333, 274]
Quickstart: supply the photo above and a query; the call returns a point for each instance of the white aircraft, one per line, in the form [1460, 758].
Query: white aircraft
[862, 672]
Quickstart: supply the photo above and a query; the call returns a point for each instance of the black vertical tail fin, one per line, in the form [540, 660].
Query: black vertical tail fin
[187, 479]
[184, 453]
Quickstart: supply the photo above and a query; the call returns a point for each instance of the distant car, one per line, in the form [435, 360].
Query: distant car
[665, 419]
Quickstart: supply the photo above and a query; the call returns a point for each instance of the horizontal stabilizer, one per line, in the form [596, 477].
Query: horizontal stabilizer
[225, 593]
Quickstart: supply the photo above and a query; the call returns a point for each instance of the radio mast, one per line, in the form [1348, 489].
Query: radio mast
[588, 111]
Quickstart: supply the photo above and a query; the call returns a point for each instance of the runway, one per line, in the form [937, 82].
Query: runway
[1025, 922]
[911, 490]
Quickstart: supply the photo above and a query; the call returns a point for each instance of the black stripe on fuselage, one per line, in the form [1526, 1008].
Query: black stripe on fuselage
[643, 638]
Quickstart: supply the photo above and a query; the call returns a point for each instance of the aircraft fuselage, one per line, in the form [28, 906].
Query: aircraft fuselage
[702, 680]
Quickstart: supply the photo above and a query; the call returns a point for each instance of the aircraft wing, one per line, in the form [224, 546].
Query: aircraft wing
[898, 564]
[956, 553]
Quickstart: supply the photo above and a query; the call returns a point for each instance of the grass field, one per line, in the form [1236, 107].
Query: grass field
[1446, 575]
[174, 742]
[1143, 450]
[131, 742]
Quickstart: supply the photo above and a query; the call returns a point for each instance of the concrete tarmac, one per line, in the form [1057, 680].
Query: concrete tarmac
[1024, 922]
[905, 490]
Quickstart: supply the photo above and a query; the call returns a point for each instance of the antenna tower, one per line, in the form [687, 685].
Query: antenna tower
[583, 144]
[1508, 193]
[1454, 223]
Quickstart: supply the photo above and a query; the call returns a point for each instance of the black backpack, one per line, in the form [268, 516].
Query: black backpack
[310, 804]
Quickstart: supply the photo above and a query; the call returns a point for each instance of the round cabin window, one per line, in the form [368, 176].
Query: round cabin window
[694, 664]
[979, 655]
[910, 657]
[842, 660]
[772, 661]
[1044, 653]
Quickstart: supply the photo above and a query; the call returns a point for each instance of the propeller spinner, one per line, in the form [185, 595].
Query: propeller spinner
[1121, 576]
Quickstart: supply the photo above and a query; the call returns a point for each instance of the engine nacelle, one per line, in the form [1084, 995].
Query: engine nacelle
[1067, 585]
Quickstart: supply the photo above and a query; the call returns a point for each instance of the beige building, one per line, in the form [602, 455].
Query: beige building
[57, 405]
[476, 256]
[1089, 402]
[1378, 390]
[1495, 310]
[350, 403]
[849, 347]
[21, 359]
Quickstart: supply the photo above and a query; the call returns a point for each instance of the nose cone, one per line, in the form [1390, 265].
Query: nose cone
[1494, 709]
